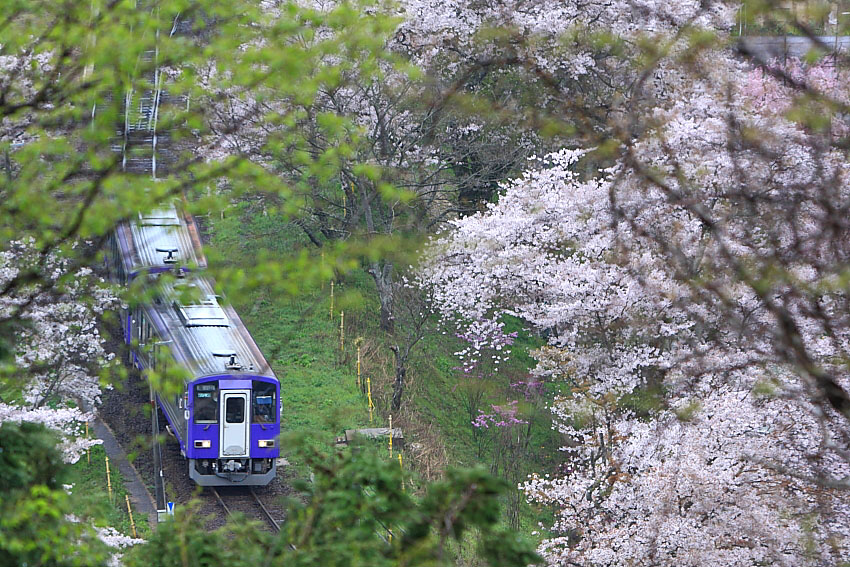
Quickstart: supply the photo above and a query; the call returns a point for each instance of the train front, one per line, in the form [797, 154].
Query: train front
[233, 430]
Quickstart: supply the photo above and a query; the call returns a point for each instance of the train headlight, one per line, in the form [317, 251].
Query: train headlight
[266, 443]
[202, 444]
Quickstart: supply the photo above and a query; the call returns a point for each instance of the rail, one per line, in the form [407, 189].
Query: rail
[274, 524]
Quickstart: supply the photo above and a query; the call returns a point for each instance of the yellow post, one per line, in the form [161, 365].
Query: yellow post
[332, 300]
[342, 330]
[108, 480]
[369, 396]
[88, 449]
[130, 511]
[358, 367]
[391, 436]
[401, 466]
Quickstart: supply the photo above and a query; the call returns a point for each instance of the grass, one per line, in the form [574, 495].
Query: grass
[91, 494]
[296, 335]
[319, 395]
[318, 382]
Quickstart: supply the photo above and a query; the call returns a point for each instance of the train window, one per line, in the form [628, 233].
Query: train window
[146, 331]
[206, 403]
[234, 411]
[142, 328]
[264, 406]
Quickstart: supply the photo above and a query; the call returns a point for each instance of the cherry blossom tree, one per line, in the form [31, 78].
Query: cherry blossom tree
[59, 351]
[692, 295]
[67, 422]
[728, 439]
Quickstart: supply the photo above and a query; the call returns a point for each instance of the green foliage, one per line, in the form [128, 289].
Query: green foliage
[28, 457]
[69, 68]
[355, 512]
[767, 17]
[81, 61]
[34, 525]
[185, 542]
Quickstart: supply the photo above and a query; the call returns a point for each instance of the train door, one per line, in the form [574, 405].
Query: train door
[234, 425]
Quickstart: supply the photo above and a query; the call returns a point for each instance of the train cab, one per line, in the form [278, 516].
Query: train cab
[227, 420]
[233, 430]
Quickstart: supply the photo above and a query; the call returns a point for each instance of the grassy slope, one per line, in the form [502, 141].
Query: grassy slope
[317, 393]
[319, 389]
[91, 494]
[90, 491]
[295, 334]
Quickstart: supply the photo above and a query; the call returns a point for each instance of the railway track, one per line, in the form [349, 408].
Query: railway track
[245, 501]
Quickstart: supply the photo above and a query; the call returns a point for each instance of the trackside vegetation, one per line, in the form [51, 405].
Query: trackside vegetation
[354, 512]
[319, 388]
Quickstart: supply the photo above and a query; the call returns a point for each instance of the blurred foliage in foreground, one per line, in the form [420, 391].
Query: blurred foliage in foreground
[36, 526]
[355, 512]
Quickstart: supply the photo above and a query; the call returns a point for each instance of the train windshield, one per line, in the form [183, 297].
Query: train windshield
[234, 411]
[206, 403]
[263, 407]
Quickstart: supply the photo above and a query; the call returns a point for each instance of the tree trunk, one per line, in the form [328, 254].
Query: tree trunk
[383, 276]
[400, 373]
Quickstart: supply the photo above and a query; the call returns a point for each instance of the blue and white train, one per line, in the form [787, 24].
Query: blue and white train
[227, 420]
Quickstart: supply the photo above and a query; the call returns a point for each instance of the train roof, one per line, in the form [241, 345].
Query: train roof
[204, 335]
[160, 240]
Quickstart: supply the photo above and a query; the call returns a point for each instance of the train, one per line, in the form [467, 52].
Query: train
[227, 419]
